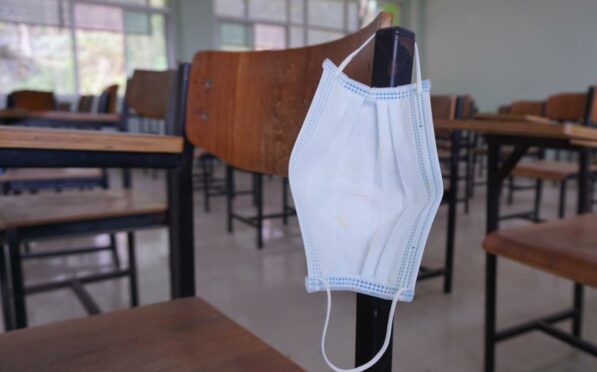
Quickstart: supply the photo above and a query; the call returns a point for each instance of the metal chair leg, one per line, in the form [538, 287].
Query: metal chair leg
[5, 291]
[229, 197]
[133, 280]
[285, 201]
[538, 196]
[17, 280]
[114, 251]
[259, 199]
[490, 311]
[578, 301]
[205, 184]
[562, 207]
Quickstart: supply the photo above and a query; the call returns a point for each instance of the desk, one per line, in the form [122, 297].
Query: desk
[523, 135]
[57, 148]
[63, 119]
[180, 335]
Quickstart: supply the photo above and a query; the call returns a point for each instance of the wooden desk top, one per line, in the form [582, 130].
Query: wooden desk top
[86, 140]
[570, 132]
[512, 117]
[59, 116]
[180, 335]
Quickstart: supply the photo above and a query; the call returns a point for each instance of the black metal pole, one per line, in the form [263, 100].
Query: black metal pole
[392, 66]
[180, 203]
[494, 183]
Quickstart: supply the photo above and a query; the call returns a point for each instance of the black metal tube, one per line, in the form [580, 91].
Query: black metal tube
[392, 66]
[452, 207]
[180, 204]
[493, 203]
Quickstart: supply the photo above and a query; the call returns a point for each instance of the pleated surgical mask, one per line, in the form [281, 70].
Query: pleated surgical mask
[366, 182]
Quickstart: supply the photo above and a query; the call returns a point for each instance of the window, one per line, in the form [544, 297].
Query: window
[277, 24]
[80, 46]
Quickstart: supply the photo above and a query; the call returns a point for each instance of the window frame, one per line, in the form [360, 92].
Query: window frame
[249, 23]
[166, 12]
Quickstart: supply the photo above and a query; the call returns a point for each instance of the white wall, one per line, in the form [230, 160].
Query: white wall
[503, 50]
[195, 27]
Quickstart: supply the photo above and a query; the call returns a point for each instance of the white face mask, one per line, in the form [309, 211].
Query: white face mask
[366, 182]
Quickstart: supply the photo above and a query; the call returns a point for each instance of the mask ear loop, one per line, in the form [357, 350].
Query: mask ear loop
[381, 351]
[349, 58]
[417, 70]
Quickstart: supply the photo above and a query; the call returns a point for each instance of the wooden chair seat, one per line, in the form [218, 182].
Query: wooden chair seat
[49, 174]
[548, 170]
[180, 335]
[566, 248]
[17, 211]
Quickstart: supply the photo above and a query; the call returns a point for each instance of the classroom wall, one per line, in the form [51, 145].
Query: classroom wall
[195, 27]
[502, 50]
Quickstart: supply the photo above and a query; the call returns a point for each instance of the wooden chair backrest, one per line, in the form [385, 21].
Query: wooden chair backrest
[85, 103]
[108, 100]
[566, 107]
[536, 108]
[467, 108]
[149, 93]
[592, 109]
[248, 107]
[32, 100]
[443, 106]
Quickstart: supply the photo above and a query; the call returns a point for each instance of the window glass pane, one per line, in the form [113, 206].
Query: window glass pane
[322, 36]
[230, 8]
[98, 17]
[269, 37]
[268, 10]
[39, 12]
[101, 60]
[326, 13]
[297, 11]
[353, 16]
[297, 37]
[146, 48]
[233, 36]
[36, 57]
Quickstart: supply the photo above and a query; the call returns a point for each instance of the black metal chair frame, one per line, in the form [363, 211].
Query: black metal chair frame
[496, 174]
[255, 221]
[179, 216]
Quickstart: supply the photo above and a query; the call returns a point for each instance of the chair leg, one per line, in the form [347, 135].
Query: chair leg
[5, 292]
[114, 251]
[133, 283]
[578, 307]
[285, 201]
[229, 196]
[510, 190]
[205, 184]
[538, 196]
[490, 311]
[17, 280]
[258, 182]
[562, 207]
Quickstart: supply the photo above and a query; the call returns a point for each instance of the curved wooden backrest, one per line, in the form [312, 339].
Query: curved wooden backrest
[32, 100]
[248, 107]
[85, 103]
[566, 107]
[443, 107]
[108, 100]
[593, 108]
[149, 92]
[536, 108]
[468, 107]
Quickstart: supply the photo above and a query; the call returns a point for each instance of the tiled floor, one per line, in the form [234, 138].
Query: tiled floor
[264, 291]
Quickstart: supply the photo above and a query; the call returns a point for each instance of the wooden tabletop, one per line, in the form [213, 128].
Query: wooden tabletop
[74, 139]
[513, 117]
[180, 335]
[58, 116]
[570, 132]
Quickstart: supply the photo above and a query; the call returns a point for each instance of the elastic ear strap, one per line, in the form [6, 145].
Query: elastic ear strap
[381, 351]
[417, 69]
[353, 54]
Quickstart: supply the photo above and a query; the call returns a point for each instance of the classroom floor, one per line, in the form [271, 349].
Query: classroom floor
[264, 291]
